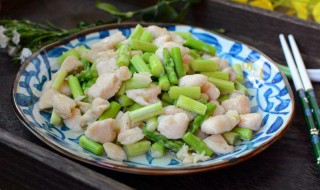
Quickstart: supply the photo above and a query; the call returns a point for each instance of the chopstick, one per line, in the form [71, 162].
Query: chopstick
[300, 88]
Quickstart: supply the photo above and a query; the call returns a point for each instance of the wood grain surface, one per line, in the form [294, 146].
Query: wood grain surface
[287, 164]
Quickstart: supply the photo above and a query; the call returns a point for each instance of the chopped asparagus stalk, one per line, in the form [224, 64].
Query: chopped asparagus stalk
[243, 132]
[58, 81]
[90, 145]
[112, 111]
[146, 36]
[238, 70]
[184, 35]
[166, 98]
[157, 150]
[152, 124]
[134, 107]
[137, 32]
[177, 59]
[146, 112]
[223, 98]
[196, 143]
[75, 87]
[198, 120]
[55, 119]
[64, 55]
[156, 66]
[139, 64]
[137, 148]
[204, 65]
[164, 82]
[240, 86]
[143, 46]
[169, 67]
[200, 45]
[189, 91]
[125, 101]
[146, 56]
[191, 105]
[217, 74]
[223, 85]
[124, 55]
[232, 138]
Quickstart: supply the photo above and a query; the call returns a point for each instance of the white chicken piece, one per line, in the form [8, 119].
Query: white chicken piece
[211, 90]
[193, 80]
[130, 136]
[177, 38]
[202, 135]
[45, 101]
[105, 56]
[187, 158]
[186, 59]
[83, 106]
[173, 126]
[98, 106]
[232, 73]
[145, 96]
[101, 131]
[65, 89]
[221, 123]
[159, 41]
[105, 87]
[114, 152]
[222, 63]
[105, 67]
[63, 105]
[240, 103]
[236, 93]
[207, 56]
[218, 144]
[171, 110]
[218, 111]
[157, 31]
[123, 122]
[123, 73]
[251, 121]
[109, 42]
[71, 63]
[74, 121]
[171, 45]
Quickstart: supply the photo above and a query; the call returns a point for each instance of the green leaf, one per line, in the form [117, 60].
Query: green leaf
[113, 10]
[162, 12]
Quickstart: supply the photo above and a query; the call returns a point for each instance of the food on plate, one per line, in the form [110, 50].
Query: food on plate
[158, 91]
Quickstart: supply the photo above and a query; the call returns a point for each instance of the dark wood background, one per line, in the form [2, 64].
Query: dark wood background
[287, 164]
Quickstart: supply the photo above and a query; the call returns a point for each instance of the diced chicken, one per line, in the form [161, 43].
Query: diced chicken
[106, 56]
[211, 90]
[170, 45]
[202, 135]
[157, 31]
[105, 87]
[188, 158]
[45, 101]
[232, 73]
[159, 41]
[218, 144]
[109, 42]
[145, 96]
[207, 56]
[74, 121]
[177, 38]
[123, 122]
[83, 106]
[65, 89]
[221, 123]
[173, 126]
[71, 63]
[171, 110]
[193, 80]
[101, 131]
[106, 66]
[236, 93]
[240, 103]
[114, 152]
[251, 121]
[130, 136]
[63, 105]
[99, 105]
[123, 73]
[222, 63]
[186, 59]
[136, 52]
[218, 111]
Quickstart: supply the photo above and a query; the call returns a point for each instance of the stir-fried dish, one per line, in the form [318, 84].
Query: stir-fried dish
[158, 91]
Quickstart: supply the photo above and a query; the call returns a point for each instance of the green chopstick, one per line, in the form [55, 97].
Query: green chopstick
[314, 134]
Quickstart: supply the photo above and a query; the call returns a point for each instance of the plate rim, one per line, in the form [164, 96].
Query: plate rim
[137, 169]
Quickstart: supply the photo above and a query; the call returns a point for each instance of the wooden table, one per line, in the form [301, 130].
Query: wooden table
[28, 163]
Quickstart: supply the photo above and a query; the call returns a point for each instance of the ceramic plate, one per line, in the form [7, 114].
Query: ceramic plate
[269, 94]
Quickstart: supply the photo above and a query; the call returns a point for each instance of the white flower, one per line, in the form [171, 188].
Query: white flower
[16, 37]
[314, 132]
[2, 29]
[25, 53]
[3, 40]
[12, 50]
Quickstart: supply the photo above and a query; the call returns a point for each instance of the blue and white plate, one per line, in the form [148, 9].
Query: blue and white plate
[269, 94]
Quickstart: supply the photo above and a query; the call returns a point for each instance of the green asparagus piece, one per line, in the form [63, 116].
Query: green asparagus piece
[125, 101]
[146, 56]
[146, 112]
[165, 97]
[58, 81]
[217, 74]
[200, 45]
[204, 65]
[196, 143]
[223, 98]
[191, 105]
[124, 55]
[157, 150]
[173, 145]
[152, 124]
[184, 35]
[223, 85]
[177, 59]
[75, 87]
[156, 66]
[169, 67]
[137, 148]
[240, 86]
[133, 83]
[134, 107]
[132, 69]
[139, 64]
[122, 89]
[55, 119]
[137, 32]
[189, 91]
[164, 82]
[111, 112]
[237, 68]
[193, 53]
[146, 36]
[90, 145]
[87, 74]
[143, 46]
[232, 138]
[198, 120]
[243, 132]
[64, 55]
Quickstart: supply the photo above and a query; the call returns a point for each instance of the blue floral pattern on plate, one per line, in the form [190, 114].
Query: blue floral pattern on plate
[268, 95]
